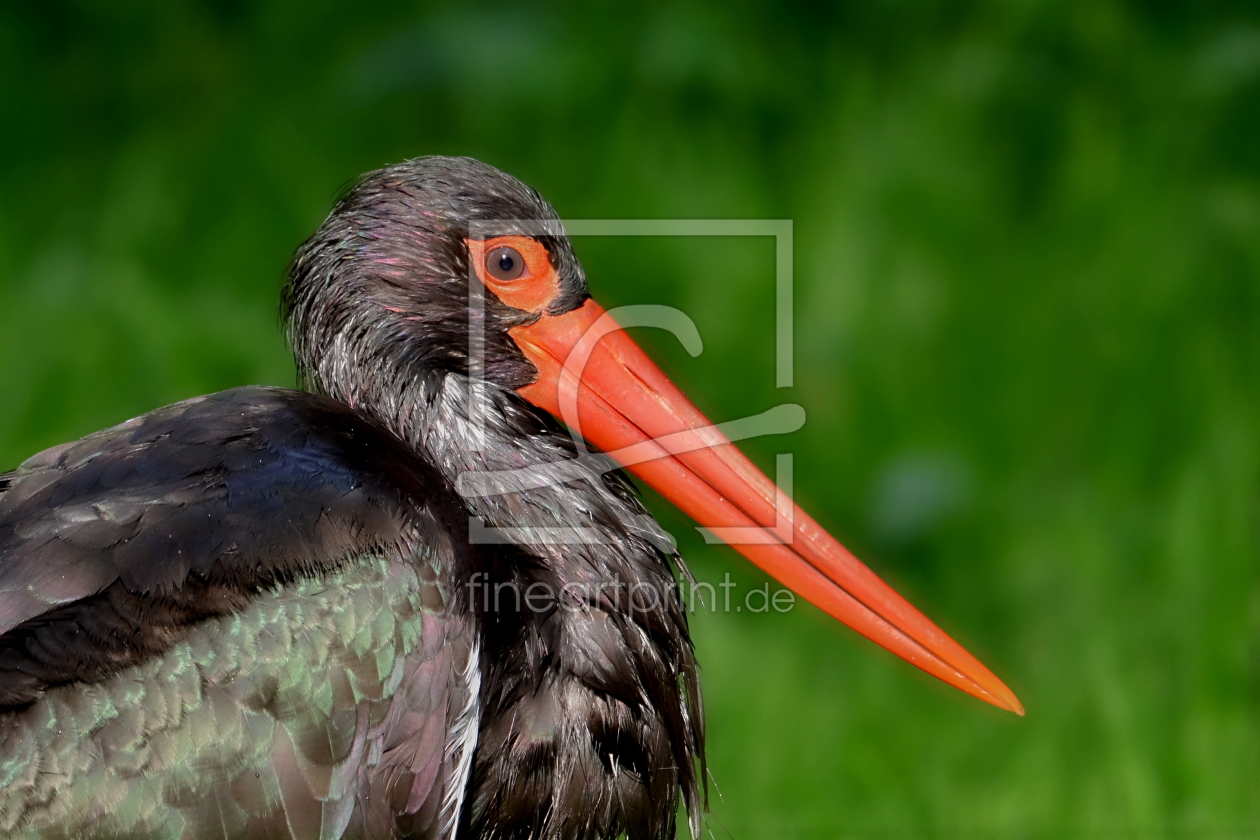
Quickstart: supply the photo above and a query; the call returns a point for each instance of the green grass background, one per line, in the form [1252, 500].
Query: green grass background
[1027, 294]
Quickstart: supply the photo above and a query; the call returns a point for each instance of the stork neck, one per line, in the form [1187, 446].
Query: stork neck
[617, 619]
[462, 425]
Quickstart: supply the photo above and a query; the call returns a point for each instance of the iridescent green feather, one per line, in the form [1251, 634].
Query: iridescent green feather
[263, 717]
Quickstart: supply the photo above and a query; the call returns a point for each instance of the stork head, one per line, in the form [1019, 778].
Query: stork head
[447, 265]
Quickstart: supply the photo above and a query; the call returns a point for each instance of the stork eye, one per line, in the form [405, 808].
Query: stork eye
[505, 263]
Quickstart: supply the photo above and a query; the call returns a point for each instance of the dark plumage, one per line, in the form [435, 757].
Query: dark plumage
[256, 614]
[114, 544]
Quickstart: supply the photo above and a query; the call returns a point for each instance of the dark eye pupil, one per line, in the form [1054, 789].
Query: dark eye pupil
[505, 263]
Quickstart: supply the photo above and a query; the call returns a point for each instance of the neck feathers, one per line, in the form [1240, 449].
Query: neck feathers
[590, 706]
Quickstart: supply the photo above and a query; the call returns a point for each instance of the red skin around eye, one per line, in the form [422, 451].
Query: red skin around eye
[538, 284]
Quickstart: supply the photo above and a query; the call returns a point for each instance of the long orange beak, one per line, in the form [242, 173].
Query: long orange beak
[598, 381]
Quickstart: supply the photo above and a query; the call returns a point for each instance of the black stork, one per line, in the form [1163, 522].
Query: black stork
[267, 613]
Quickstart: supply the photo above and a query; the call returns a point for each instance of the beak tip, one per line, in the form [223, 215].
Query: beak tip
[1008, 701]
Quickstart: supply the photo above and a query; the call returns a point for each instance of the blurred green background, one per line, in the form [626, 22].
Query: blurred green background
[1027, 332]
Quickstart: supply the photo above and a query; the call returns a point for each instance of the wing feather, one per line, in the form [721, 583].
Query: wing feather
[231, 617]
